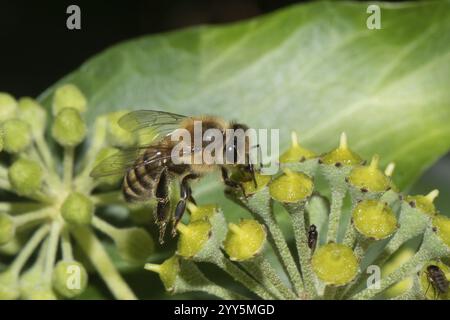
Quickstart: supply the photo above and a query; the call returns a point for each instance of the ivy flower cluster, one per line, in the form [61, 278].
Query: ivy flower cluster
[365, 221]
[48, 209]
[345, 215]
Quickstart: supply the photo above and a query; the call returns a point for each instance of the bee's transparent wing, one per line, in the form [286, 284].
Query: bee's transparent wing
[117, 163]
[161, 123]
[123, 160]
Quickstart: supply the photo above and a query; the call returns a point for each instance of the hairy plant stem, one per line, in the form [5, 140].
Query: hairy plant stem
[239, 275]
[297, 214]
[93, 249]
[264, 273]
[260, 206]
[431, 248]
[330, 292]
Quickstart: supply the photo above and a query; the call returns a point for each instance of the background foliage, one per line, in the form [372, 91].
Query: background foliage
[314, 68]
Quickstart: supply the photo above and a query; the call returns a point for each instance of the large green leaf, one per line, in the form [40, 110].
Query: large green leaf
[315, 68]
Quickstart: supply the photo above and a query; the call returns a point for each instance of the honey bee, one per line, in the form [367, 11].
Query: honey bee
[436, 277]
[149, 169]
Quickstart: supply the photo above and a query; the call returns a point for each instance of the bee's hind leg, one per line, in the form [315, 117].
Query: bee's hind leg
[185, 195]
[163, 207]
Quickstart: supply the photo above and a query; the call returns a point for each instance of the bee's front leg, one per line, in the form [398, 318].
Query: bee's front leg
[231, 183]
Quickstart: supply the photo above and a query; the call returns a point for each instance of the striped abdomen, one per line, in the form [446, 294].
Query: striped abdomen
[140, 181]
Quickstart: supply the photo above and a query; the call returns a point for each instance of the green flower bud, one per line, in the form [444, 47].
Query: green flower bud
[168, 271]
[369, 178]
[193, 237]
[424, 203]
[341, 155]
[291, 187]
[427, 287]
[25, 176]
[203, 212]
[13, 246]
[16, 135]
[8, 106]
[398, 259]
[68, 128]
[335, 264]
[442, 226]
[77, 209]
[296, 152]
[9, 285]
[33, 114]
[261, 182]
[69, 278]
[7, 228]
[68, 96]
[134, 245]
[244, 240]
[115, 135]
[374, 219]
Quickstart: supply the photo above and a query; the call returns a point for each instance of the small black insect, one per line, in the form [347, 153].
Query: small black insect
[436, 277]
[312, 237]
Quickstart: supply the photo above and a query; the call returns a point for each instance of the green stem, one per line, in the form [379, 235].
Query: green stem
[330, 292]
[337, 200]
[66, 246]
[52, 249]
[69, 158]
[3, 172]
[44, 151]
[104, 227]
[93, 248]
[350, 236]
[97, 143]
[431, 248]
[239, 275]
[26, 251]
[108, 198]
[20, 207]
[259, 205]
[297, 214]
[192, 279]
[264, 273]
[33, 216]
[4, 184]
[50, 172]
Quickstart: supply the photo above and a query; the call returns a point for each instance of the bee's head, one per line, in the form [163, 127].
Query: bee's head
[234, 148]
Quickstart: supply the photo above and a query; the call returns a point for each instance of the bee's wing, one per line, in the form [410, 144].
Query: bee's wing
[160, 123]
[117, 163]
[123, 160]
